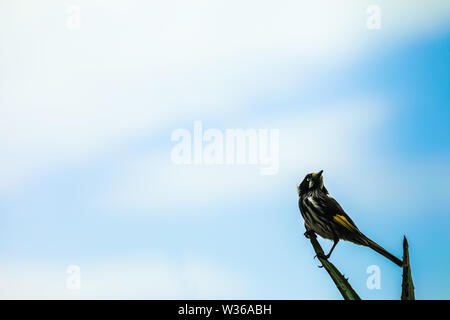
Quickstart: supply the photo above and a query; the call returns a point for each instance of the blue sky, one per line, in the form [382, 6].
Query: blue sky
[86, 177]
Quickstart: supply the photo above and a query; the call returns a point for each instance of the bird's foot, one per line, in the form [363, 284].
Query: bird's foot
[309, 234]
[322, 256]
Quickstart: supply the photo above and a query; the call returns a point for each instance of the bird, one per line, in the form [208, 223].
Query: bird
[324, 216]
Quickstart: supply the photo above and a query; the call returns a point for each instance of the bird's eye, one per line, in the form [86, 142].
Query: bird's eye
[307, 179]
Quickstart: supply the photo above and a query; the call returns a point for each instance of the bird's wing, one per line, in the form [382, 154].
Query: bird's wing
[337, 214]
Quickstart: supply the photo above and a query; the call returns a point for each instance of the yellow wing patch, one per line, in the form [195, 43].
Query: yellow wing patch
[344, 222]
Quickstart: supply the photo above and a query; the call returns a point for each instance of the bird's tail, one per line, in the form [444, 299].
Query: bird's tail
[371, 244]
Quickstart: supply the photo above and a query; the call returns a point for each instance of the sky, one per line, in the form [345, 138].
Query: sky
[88, 108]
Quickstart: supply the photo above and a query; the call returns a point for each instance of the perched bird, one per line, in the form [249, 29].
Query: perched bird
[325, 217]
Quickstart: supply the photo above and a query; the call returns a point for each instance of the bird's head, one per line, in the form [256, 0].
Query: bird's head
[312, 181]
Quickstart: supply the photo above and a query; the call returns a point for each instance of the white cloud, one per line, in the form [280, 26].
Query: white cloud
[136, 67]
[333, 138]
[342, 139]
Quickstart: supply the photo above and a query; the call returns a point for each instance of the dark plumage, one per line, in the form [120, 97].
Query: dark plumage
[325, 217]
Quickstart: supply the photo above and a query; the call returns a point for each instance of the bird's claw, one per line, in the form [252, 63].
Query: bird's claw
[322, 256]
[318, 255]
[309, 233]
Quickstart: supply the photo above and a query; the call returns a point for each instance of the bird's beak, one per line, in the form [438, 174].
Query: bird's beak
[319, 178]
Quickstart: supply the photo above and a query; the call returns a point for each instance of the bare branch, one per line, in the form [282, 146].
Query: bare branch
[407, 282]
[339, 280]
